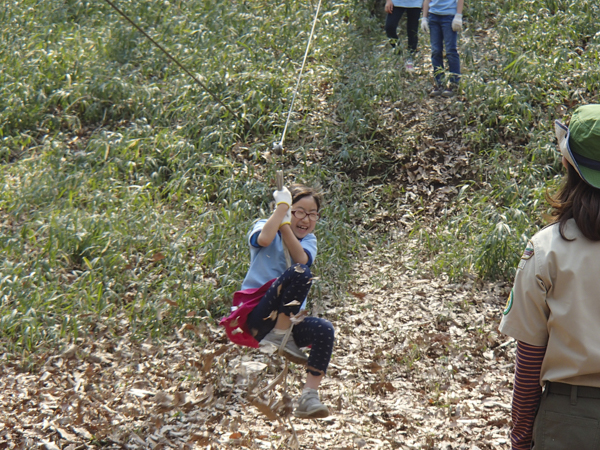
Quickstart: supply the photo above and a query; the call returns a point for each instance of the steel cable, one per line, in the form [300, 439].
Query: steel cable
[172, 58]
[279, 146]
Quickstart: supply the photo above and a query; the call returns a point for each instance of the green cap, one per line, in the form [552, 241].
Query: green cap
[584, 143]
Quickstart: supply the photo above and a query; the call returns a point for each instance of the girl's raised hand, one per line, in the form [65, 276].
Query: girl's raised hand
[283, 196]
[287, 220]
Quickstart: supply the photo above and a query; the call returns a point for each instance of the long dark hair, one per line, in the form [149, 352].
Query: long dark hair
[578, 200]
[299, 191]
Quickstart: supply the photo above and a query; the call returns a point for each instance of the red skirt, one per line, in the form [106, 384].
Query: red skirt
[235, 323]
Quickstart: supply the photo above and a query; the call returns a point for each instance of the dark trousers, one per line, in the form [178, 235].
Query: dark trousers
[412, 25]
[292, 287]
[568, 418]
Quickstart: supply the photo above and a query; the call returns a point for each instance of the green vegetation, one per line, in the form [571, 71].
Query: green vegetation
[126, 189]
[543, 63]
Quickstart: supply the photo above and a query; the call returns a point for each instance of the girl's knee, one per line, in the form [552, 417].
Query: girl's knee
[300, 271]
[327, 329]
[331, 331]
[436, 53]
[299, 266]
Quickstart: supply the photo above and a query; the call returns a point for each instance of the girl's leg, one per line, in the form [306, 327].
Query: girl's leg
[320, 335]
[412, 28]
[291, 287]
[313, 381]
[450, 39]
[437, 47]
[391, 24]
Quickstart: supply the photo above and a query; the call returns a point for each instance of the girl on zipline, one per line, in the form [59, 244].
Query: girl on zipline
[273, 292]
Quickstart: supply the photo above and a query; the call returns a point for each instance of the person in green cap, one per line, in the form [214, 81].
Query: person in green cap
[553, 310]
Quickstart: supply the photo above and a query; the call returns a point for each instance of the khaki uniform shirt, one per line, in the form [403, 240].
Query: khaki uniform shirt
[555, 302]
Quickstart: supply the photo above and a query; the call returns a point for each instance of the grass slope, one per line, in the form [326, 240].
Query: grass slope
[126, 190]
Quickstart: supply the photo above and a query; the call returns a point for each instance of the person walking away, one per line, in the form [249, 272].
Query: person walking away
[442, 19]
[395, 9]
[553, 310]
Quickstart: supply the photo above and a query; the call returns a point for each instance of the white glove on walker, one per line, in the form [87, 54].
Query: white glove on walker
[425, 25]
[283, 196]
[457, 22]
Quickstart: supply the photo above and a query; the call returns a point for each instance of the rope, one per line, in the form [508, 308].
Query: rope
[285, 340]
[172, 58]
[288, 262]
[279, 146]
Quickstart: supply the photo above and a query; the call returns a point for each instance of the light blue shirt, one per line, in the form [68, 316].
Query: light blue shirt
[408, 3]
[269, 262]
[443, 7]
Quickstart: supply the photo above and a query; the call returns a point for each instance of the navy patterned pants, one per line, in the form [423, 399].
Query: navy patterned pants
[292, 287]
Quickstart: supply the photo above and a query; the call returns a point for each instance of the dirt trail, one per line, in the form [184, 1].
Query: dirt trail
[418, 364]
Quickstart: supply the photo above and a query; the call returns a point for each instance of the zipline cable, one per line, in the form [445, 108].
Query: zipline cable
[279, 146]
[279, 177]
[172, 58]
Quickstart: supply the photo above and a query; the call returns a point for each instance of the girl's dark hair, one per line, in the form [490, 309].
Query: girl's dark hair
[578, 200]
[299, 191]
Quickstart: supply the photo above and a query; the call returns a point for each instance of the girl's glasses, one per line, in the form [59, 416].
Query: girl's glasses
[299, 214]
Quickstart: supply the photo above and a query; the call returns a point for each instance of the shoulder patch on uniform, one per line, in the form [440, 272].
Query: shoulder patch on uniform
[528, 253]
[509, 302]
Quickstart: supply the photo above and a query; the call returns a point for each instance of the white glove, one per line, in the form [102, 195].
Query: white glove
[287, 219]
[425, 25]
[283, 196]
[457, 22]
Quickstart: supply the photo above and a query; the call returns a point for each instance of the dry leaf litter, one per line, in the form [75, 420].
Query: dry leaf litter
[418, 364]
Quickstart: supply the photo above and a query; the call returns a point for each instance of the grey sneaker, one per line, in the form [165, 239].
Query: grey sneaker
[450, 91]
[437, 91]
[310, 407]
[291, 350]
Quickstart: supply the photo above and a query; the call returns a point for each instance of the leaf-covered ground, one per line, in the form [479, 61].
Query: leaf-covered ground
[418, 364]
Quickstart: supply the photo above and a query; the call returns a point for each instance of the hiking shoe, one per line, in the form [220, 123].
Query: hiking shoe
[291, 350]
[448, 92]
[310, 407]
[437, 91]
[409, 66]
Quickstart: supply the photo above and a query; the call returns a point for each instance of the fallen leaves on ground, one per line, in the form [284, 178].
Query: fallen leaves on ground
[418, 364]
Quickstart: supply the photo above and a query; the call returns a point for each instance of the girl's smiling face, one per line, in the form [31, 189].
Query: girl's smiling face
[302, 227]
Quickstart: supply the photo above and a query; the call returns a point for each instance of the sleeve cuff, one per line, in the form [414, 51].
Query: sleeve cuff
[310, 260]
[536, 341]
[254, 240]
